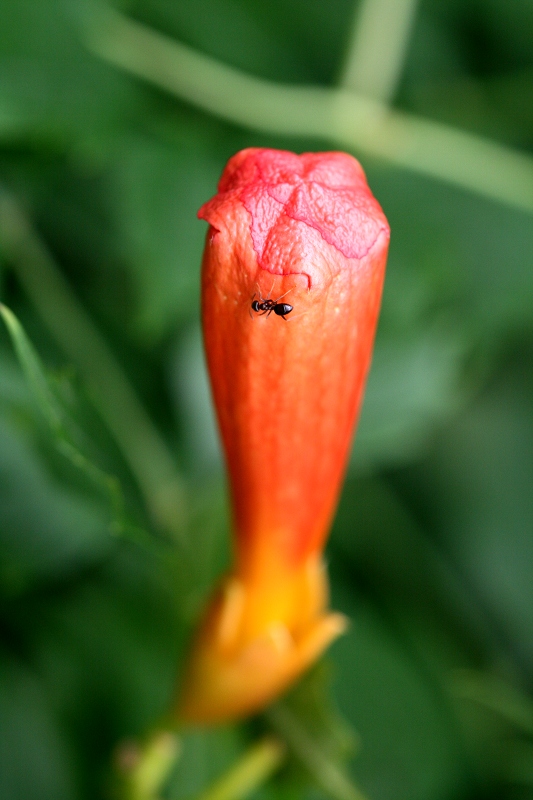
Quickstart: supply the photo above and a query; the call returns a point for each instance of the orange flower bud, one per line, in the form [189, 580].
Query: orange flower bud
[292, 278]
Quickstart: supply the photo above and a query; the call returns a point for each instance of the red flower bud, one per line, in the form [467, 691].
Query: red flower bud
[292, 278]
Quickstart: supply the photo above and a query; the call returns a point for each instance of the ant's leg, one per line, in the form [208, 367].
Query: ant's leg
[296, 317]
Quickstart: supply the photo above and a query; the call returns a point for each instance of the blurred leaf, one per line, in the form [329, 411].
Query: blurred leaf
[480, 475]
[13, 387]
[33, 370]
[217, 25]
[206, 755]
[326, 771]
[516, 762]
[319, 739]
[36, 759]
[457, 282]
[189, 384]
[51, 89]
[199, 563]
[312, 704]
[387, 551]
[415, 385]
[471, 257]
[159, 189]
[55, 414]
[290, 41]
[496, 695]
[110, 654]
[45, 529]
[48, 530]
[497, 108]
[409, 742]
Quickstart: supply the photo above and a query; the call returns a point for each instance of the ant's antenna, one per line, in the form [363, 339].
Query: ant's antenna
[283, 295]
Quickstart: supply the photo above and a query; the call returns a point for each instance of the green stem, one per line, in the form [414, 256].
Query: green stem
[495, 694]
[351, 120]
[144, 772]
[144, 450]
[377, 47]
[327, 773]
[258, 764]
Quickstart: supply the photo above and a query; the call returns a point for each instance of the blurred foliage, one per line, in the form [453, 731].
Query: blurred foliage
[431, 554]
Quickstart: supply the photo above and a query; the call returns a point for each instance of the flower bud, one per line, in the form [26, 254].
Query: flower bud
[291, 287]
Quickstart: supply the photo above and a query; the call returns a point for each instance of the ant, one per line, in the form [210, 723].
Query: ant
[267, 306]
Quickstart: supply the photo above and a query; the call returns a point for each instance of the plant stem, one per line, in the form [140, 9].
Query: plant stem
[144, 772]
[350, 120]
[495, 694]
[327, 773]
[257, 765]
[144, 450]
[377, 47]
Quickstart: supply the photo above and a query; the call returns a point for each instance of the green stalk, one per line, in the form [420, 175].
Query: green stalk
[326, 772]
[141, 444]
[144, 772]
[493, 693]
[250, 772]
[377, 47]
[349, 120]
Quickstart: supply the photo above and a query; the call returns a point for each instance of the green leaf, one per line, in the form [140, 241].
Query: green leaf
[51, 90]
[158, 190]
[35, 755]
[410, 748]
[47, 531]
[34, 372]
[480, 474]
[55, 416]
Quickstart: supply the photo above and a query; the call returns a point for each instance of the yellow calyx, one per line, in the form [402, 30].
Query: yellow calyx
[256, 638]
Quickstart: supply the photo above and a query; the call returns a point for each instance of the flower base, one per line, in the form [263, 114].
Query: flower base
[256, 639]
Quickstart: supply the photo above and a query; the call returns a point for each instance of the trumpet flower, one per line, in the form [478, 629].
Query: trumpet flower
[292, 279]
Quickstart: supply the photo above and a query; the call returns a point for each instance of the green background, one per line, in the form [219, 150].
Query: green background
[431, 553]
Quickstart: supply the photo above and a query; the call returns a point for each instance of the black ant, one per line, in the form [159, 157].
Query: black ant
[267, 306]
